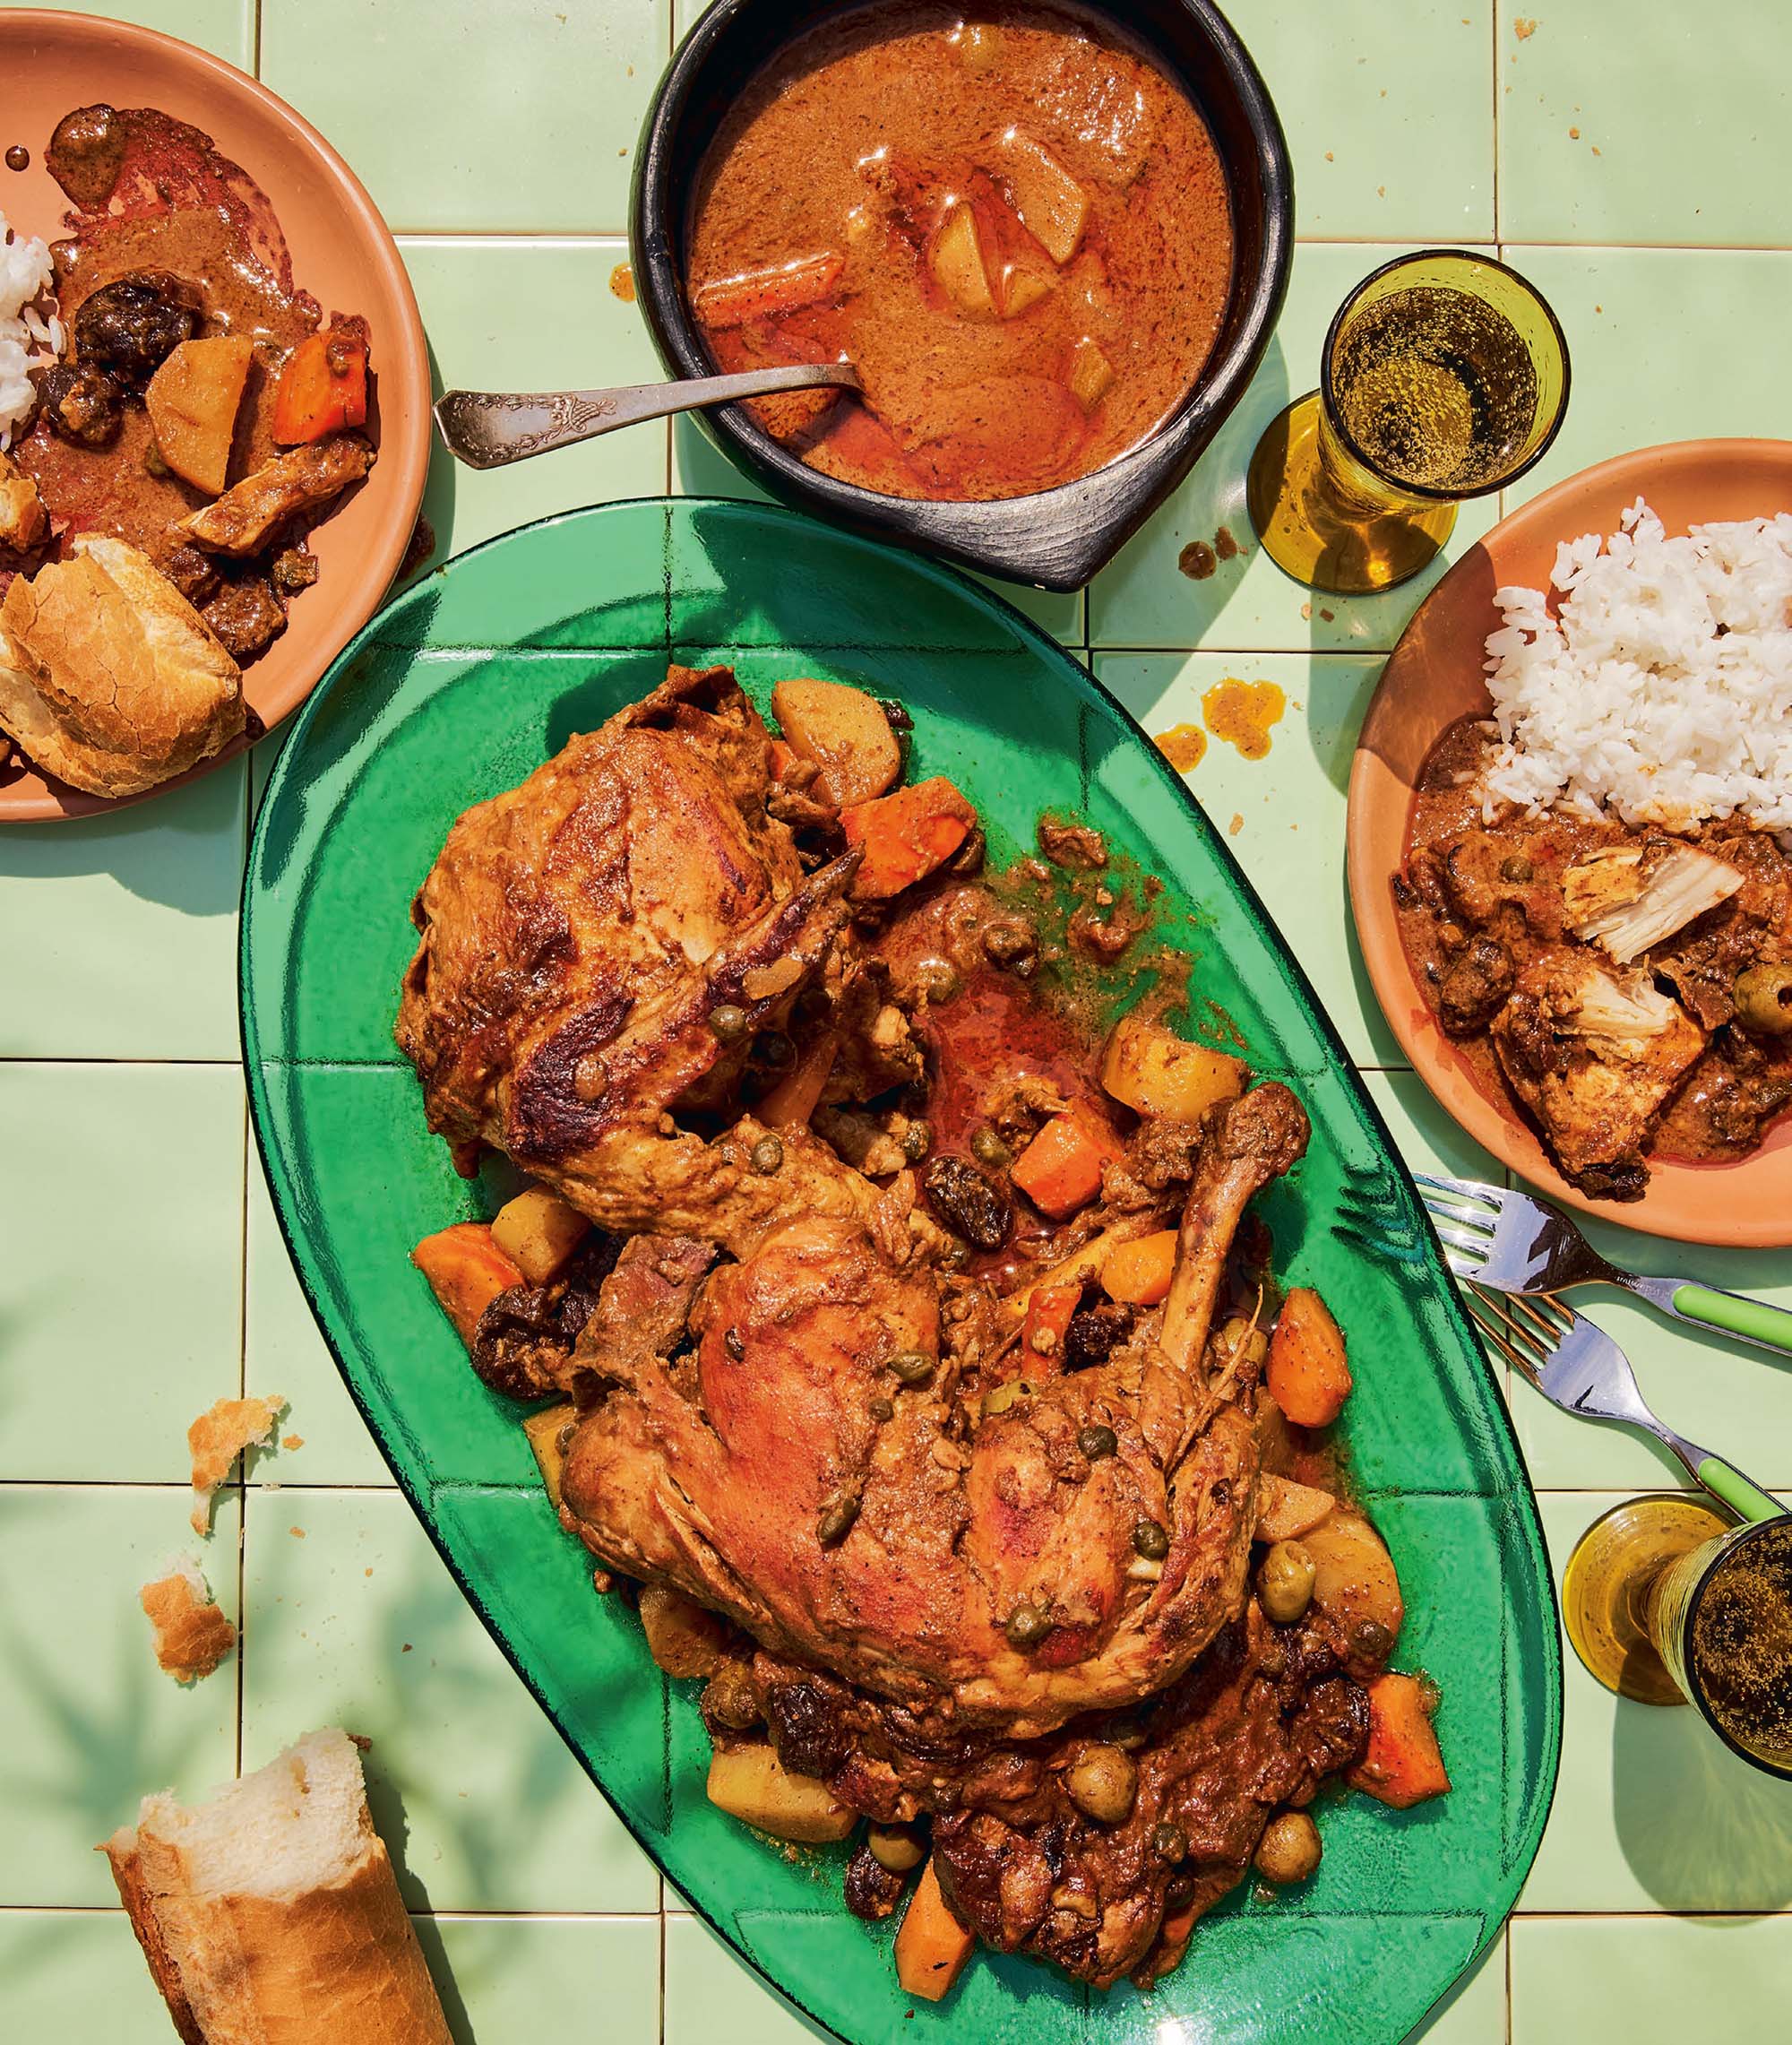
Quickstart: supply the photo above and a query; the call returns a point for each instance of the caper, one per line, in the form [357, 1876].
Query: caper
[1103, 1784]
[1169, 1843]
[1285, 1581]
[881, 1409]
[773, 1048]
[912, 1366]
[1372, 1641]
[1289, 1849]
[916, 1139]
[987, 1148]
[154, 461]
[590, 1080]
[1763, 1000]
[895, 1848]
[735, 1343]
[1096, 1442]
[1027, 1625]
[766, 1156]
[1151, 1541]
[836, 1521]
[728, 1022]
[1516, 869]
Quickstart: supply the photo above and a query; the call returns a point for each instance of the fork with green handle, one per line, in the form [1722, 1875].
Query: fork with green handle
[1578, 1367]
[1509, 1241]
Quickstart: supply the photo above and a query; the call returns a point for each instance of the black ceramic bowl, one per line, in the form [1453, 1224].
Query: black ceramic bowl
[1055, 538]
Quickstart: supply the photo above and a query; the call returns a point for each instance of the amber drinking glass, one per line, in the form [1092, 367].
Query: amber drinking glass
[1667, 1602]
[1444, 375]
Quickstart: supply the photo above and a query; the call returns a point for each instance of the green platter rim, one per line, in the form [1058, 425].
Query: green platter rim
[1421, 1257]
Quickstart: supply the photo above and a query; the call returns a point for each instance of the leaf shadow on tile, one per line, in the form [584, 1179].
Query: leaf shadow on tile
[1691, 1816]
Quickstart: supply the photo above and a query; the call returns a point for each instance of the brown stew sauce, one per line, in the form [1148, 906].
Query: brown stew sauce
[1011, 223]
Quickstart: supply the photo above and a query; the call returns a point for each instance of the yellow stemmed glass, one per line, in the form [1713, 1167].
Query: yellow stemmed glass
[1444, 375]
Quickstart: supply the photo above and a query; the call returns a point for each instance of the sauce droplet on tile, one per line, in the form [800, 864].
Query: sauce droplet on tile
[1181, 746]
[621, 283]
[17, 157]
[1242, 712]
[1197, 560]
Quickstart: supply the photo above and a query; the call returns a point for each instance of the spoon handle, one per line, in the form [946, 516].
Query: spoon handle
[485, 430]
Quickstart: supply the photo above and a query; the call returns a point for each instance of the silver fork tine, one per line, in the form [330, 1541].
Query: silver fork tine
[1500, 1332]
[1464, 1239]
[1461, 1189]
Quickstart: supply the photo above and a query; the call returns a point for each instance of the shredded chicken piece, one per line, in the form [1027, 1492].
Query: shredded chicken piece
[1631, 898]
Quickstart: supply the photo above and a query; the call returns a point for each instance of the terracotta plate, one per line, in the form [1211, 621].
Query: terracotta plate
[341, 252]
[1434, 677]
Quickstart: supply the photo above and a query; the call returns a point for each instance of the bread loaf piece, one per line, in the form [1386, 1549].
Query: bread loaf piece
[108, 677]
[270, 1916]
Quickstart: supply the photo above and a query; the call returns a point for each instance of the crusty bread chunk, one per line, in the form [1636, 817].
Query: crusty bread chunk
[270, 1916]
[217, 1438]
[108, 677]
[192, 1636]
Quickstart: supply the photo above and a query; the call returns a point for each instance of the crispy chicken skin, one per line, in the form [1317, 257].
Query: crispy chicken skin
[724, 1486]
[577, 934]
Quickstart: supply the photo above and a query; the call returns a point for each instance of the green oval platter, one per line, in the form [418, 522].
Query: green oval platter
[457, 690]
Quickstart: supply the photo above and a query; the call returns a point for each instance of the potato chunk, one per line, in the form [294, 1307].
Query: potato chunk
[844, 731]
[957, 264]
[752, 1784]
[192, 402]
[1053, 206]
[1355, 1582]
[682, 1637]
[1092, 374]
[538, 1232]
[544, 1430]
[1156, 1073]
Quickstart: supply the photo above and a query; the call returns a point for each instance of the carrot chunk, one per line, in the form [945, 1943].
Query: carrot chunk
[466, 1270]
[1060, 1170]
[323, 385]
[1140, 1272]
[906, 835]
[932, 1946]
[1308, 1374]
[798, 1094]
[768, 294]
[1403, 1764]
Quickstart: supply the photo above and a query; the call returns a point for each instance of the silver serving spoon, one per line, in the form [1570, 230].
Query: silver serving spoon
[485, 430]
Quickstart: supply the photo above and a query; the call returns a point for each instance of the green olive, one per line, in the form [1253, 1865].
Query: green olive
[1289, 1849]
[1027, 1625]
[1094, 1443]
[1285, 1581]
[1103, 1784]
[912, 1366]
[1763, 998]
[895, 1848]
[728, 1022]
[1517, 869]
[1151, 1541]
[836, 1521]
[766, 1156]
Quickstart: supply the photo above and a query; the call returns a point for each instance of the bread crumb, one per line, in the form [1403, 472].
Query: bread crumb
[292, 1441]
[1307, 610]
[217, 1438]
[1236, 826]
[1573, 134]
[1328, 156]
[1524, 28]
[1326, 615]
[191, 1634]
[405, 1649]
[298, 1533]
[366, 1573]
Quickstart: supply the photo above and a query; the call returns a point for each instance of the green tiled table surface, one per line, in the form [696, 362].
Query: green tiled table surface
[1635, 162]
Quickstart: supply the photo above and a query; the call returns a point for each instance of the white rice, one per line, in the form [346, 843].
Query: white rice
[24, 274]
[1662, 689]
